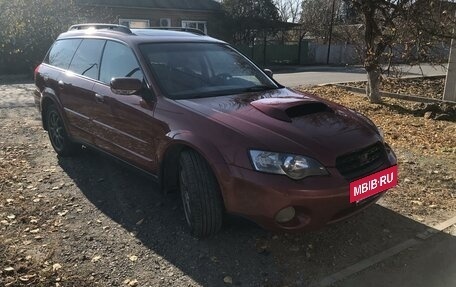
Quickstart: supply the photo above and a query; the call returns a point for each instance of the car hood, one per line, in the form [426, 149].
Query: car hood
[287, 121]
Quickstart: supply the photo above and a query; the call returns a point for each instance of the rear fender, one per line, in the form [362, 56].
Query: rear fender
[49, 97]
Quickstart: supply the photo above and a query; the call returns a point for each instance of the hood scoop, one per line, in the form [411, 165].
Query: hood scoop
[285, 109]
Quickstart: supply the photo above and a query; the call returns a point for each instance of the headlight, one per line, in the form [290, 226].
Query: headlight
[294, 166]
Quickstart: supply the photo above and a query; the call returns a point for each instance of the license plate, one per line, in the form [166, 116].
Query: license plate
[370, 185]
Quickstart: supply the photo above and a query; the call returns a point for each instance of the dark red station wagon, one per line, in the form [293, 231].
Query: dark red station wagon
[204, 120]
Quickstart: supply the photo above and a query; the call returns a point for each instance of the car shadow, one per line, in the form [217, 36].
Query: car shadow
[243, 251]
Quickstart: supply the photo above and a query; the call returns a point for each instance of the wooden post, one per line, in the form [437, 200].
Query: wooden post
[299, 50]
[330, 32]
[450, 83]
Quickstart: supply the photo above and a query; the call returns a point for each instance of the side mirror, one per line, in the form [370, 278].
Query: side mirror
[269, 73]
[125, 86]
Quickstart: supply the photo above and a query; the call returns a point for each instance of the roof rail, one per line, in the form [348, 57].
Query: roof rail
[182, 29]
[114, 27]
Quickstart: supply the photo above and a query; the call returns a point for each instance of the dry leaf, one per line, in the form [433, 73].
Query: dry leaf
[96, 258]
[133, 258]
[228, 280]
[56, 267]
[9, 269]
[63, 213]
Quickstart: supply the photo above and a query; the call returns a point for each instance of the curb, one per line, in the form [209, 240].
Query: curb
[393, 95]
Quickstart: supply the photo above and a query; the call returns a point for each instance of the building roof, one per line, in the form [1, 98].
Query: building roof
[207, 5]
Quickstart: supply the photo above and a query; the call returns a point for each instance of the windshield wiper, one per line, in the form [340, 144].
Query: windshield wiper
[226, 92]
[205, 94]
[259, 88]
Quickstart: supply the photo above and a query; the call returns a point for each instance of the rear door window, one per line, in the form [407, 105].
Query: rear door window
[86, 61]
[118, 62]
[62, 52]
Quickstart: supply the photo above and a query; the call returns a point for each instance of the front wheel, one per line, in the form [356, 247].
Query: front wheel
[200, 194]
[58, 135]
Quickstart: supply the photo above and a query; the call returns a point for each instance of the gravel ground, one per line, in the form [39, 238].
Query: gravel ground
[89, 221]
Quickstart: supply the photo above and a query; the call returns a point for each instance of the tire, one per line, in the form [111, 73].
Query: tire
[200, 193]
[58, 135]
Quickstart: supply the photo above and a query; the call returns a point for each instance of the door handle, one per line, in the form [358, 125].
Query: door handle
[61, 84]
[99, 98]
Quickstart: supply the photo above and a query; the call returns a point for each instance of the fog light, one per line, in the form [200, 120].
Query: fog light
[285, 215]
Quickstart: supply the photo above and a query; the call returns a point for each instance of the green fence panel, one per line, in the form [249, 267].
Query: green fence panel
[245, 49]
[282, 54]
[276, 54]
[304, 53]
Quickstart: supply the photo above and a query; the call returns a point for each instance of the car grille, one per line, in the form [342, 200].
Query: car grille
[362, 162]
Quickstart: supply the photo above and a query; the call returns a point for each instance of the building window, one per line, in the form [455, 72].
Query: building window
[200, 25]
[134, 23]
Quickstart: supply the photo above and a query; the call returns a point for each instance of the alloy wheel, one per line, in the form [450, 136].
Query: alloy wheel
[56, 130]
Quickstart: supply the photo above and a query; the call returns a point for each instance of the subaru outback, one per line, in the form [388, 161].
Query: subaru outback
[204, 120]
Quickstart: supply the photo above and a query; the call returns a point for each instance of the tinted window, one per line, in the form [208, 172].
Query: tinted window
[189, 70]
[86, 61]
[119, 61]
[62, 52]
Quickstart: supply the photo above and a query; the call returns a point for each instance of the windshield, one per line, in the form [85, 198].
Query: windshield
[194, 70]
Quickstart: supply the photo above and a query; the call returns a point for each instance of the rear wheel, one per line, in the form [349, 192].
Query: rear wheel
[58, 135]
[200, 194]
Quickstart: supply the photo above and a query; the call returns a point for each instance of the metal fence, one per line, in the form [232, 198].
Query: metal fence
[312, 53]
[276, 54]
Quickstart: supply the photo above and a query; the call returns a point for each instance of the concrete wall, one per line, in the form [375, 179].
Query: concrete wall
[339, 54]
[347, 54]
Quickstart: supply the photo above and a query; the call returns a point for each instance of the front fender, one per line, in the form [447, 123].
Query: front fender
[204, 147]
[177, 141]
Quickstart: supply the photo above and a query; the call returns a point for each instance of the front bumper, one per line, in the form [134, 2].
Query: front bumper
[317, 200]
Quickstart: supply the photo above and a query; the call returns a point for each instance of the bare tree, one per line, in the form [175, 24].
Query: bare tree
[289, 10]
[317, 15]
[415, 26]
